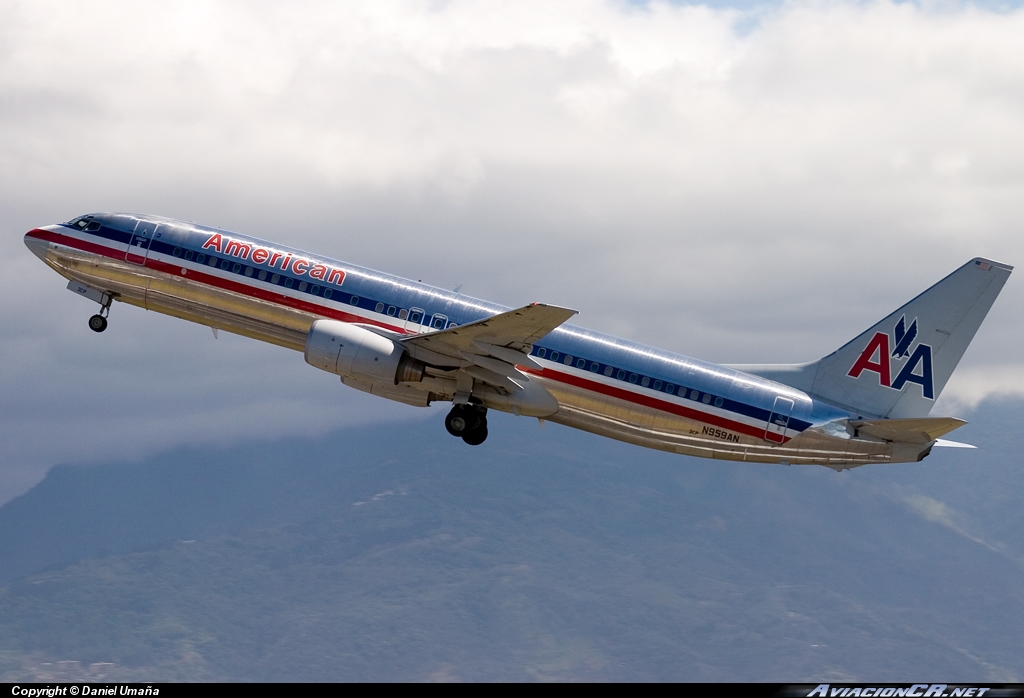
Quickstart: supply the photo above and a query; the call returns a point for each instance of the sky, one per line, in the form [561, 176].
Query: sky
[743, 182]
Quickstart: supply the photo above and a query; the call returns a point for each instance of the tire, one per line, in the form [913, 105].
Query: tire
[477, 436]
[97, 323]
[457, 422]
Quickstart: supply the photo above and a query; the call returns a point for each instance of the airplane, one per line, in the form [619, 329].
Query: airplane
[867, 402]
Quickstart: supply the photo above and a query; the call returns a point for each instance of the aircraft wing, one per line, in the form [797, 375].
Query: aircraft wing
[915, 431]
[490, 349]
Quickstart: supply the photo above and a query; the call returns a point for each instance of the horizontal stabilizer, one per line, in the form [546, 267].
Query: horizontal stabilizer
[914, 431]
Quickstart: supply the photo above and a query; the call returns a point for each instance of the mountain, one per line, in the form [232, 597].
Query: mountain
[399, 553]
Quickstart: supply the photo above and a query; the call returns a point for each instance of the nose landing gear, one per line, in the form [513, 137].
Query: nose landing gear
[98, 322]
[468, 422]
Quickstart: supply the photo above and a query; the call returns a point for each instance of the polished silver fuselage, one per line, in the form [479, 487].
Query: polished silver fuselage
[602, 384]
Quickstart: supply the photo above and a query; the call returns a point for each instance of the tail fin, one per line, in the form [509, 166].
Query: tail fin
[899, 367]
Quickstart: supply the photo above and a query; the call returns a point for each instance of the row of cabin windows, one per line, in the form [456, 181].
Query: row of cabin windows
[634, 378]
[415, 315]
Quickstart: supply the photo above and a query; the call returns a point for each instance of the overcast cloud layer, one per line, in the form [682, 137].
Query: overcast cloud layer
[748, 185]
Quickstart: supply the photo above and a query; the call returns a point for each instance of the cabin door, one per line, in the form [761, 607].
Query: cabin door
[414, 323]
[778, 422]
[142, 238]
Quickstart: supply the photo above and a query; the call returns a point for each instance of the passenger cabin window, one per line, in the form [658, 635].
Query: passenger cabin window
[438, 322]
[402, 314]
[671, 389]
[263, 275]
[315, 290]
[416, 315]
[621, 375]
[694, 394]
[567, 360]
[177, 252]
[303, 285]
[608, 370]
[706, 399]
[719, 402]
[289, 282]
[392, 310]
[201, 258]
[328, 293]
[581, 363]
[354, 300]
[632, 378]
[379, 308]
[645, 382]
[657, 385]
[212, 261]
[188, 254]
[595, 367]
[236, 268]
[224, 264]
[275, 278]
[542, 352]
[555, 355]
[249, 271]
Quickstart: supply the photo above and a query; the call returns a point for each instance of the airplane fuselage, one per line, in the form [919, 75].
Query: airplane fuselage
[602, 384]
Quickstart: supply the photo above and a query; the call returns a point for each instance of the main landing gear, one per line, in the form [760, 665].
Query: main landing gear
[98, 322]
[468, 422]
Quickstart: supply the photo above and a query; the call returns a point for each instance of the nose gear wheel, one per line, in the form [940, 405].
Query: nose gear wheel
[97, 323]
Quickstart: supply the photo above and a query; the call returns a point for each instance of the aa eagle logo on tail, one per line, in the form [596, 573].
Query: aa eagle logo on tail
[896, 362]
[904, 338]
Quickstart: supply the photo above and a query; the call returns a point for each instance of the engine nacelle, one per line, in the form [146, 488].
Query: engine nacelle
[352, 352]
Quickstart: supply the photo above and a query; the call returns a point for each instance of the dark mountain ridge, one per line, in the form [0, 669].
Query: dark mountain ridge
[396, 552]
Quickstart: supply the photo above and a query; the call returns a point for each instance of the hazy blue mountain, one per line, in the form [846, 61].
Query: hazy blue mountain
[400, 553]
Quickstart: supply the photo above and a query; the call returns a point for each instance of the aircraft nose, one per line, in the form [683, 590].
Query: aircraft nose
[37, 245]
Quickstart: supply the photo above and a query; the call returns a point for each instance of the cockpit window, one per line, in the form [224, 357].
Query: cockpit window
[85, 223]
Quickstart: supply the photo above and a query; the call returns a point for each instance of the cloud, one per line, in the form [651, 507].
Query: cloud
[970, 386]
[747, 185]
[939, 512]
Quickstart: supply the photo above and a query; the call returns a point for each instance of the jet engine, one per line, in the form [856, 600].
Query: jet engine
[356, 353]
